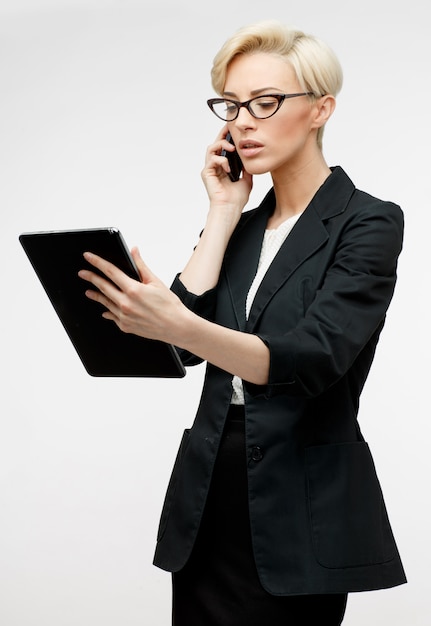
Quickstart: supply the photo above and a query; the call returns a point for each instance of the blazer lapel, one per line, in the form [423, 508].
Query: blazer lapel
[242, 256]
[307, 236]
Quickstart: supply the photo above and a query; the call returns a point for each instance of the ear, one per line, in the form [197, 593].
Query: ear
[324, 107]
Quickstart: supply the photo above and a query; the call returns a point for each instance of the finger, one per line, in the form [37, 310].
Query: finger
[111, 312]
[222, 132]
[112, 272]
[97, 295]
[107, 294]
[220, 144]
[217, 165]
[96, 280]
[217, 148]
[145, 273]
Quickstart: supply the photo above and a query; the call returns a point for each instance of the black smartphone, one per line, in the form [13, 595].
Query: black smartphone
[235, 162]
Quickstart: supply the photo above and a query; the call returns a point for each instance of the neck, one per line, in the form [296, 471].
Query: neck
[295, 187]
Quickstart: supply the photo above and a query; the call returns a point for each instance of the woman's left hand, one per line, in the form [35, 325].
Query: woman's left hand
[148, 308]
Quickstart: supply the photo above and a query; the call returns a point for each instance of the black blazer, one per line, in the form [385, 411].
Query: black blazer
[318, 519]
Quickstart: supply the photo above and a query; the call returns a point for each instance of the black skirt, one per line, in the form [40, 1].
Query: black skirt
[219, 586]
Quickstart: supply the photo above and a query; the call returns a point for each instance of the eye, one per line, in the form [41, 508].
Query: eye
[225, 109]
[265, 103]
[230, 107]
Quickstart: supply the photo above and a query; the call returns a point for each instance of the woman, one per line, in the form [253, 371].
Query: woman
[274, 512]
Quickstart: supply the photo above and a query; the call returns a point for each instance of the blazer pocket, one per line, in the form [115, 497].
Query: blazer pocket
[170, 493]
[349, 523]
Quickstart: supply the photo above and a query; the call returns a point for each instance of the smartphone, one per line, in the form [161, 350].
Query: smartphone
[235, 162]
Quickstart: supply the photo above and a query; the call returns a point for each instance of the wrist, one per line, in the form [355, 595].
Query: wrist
[223, 219]
[185, 329]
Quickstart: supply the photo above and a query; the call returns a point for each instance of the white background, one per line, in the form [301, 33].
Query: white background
[103, 122]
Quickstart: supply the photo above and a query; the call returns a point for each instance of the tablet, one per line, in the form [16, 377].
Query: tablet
[57, 257]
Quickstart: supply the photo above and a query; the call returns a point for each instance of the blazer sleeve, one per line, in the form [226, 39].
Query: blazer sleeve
[347, 312]
[203, 305]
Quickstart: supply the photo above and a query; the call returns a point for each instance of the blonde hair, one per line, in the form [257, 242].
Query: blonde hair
[314, 63]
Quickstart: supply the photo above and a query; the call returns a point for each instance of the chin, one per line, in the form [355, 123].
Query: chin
[255, 169]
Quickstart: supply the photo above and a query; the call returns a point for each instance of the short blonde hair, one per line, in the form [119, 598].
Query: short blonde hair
[313, 61]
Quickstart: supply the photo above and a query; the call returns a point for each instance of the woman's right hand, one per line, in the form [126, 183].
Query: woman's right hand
[227, 198]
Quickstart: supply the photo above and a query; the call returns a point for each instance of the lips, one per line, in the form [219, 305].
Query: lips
[249, 148]
[245, 144]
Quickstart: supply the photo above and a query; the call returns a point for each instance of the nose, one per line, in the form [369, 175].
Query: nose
[245, 119]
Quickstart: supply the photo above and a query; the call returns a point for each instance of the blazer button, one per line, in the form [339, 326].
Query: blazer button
[256, 453]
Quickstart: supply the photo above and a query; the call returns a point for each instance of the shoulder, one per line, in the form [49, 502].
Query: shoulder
[358, 199]
[379, 215]
[361, 200]
[340, 203]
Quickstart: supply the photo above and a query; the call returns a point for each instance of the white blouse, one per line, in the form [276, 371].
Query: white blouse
[272, 242]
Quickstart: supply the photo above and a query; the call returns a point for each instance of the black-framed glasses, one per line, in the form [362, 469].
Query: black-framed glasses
[260, 107]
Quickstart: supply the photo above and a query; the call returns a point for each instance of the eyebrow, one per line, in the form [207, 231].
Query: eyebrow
[255, 92]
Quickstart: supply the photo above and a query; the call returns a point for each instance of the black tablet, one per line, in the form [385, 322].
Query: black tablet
[57, 257]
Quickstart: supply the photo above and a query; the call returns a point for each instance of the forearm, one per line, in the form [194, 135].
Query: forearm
[236, 352]
[203, 269]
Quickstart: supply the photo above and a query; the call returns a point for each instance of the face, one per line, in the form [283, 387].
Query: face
[285, 140]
